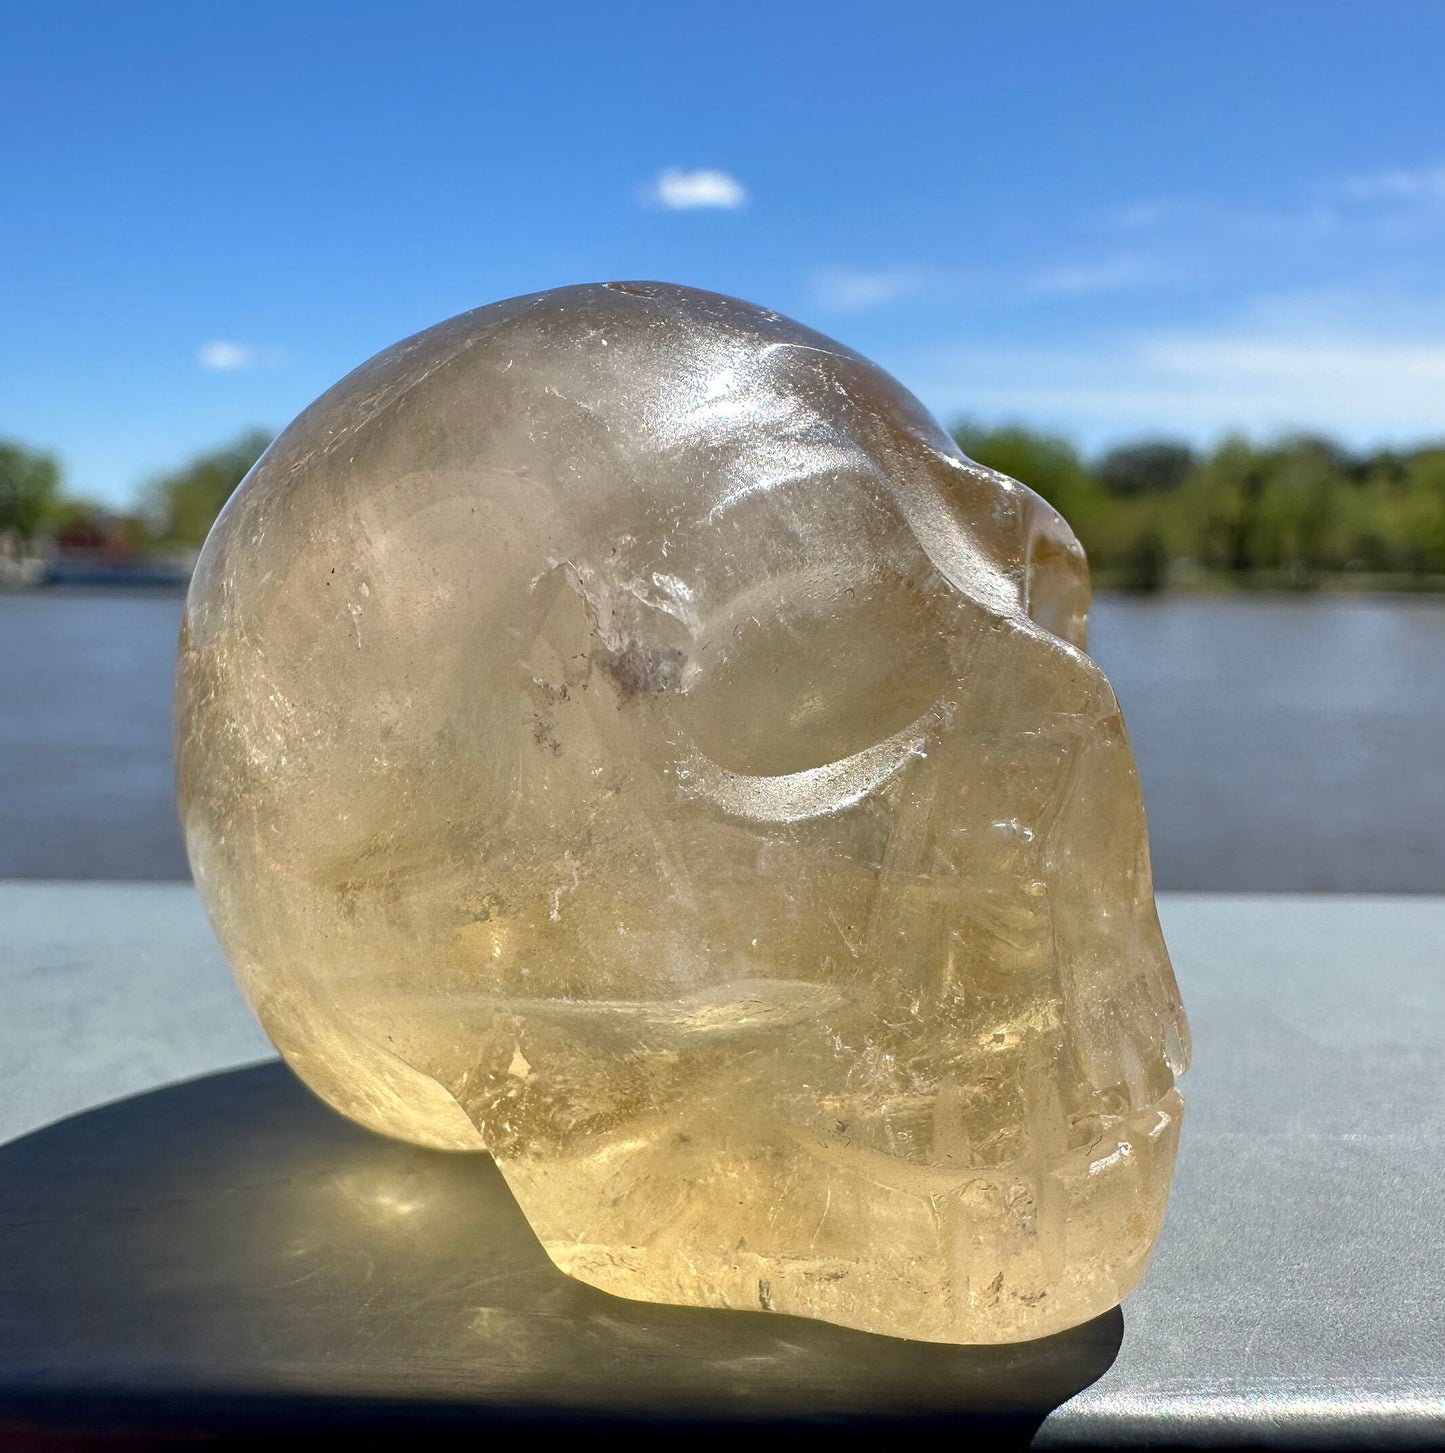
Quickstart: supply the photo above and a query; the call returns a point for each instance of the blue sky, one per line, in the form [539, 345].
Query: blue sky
[1108, 219]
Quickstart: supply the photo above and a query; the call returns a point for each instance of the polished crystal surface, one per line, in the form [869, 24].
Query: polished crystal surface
[619, 730]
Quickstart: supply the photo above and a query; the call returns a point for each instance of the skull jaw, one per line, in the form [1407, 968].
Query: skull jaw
[768, 1218]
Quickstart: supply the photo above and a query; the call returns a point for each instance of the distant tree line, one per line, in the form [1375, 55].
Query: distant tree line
[174, 512]
[1298, 513]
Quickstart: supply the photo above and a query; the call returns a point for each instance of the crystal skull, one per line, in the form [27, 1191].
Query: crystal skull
[618, 729]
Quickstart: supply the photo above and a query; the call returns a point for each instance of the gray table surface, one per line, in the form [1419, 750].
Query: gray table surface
[1298, 1293]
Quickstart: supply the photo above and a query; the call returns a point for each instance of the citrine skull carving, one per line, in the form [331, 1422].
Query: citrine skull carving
[619, 730]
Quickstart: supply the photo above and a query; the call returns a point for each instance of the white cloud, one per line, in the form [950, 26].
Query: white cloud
[843, 290]
[1274, 371]
[681, 191]
[1108, 276]
[225, 357]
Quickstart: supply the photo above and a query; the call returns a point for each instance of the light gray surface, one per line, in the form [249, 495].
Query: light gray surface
[106, 990]
[1285, 742]
[1298, 1290]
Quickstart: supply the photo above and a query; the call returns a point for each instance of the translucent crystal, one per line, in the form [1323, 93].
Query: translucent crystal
[619, 729]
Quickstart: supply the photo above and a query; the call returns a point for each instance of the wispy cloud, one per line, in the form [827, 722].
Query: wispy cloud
[1421, 184]
[846, 290]
[1276, 369]
[1154, 212]
[677, 190]
[862, 290]
[1213, 220]
[225, 355]
[1109, 275]
[1399, 204]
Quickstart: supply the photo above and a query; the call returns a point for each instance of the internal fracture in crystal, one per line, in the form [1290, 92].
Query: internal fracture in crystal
[619, 730]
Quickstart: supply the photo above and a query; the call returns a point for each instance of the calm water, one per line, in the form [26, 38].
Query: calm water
[1284, 743]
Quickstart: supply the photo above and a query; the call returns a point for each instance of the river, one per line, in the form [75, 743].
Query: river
[1285, 742]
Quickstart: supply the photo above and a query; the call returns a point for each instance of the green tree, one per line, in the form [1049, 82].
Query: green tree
[1144, 563]
[1224, 502]
[1309, 482]
[1155, 466]
[1422, 520]
[180, 507]
[29, 489]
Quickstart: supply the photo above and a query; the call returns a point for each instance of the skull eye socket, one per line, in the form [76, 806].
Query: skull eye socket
[822, 677]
